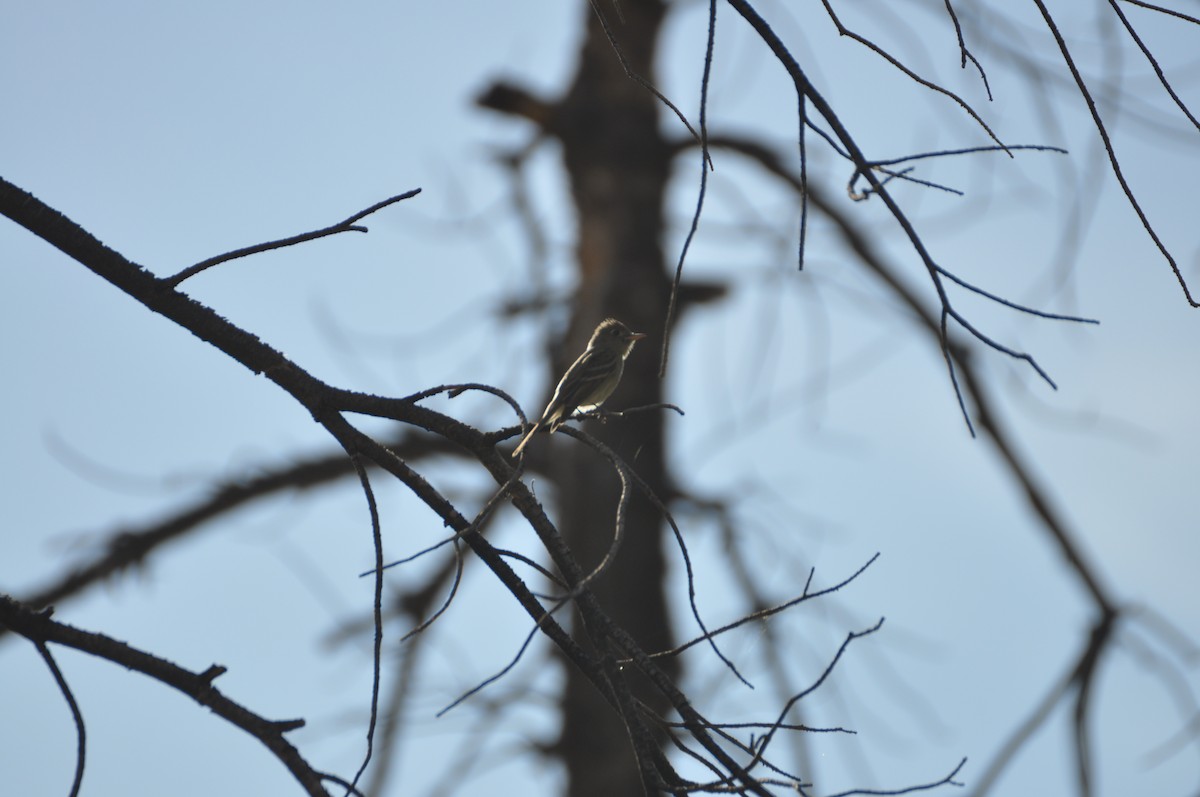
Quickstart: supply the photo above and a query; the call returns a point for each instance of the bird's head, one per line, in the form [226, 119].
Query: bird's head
[611, 334]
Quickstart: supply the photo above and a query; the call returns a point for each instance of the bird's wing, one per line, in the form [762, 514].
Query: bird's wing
[583, 384]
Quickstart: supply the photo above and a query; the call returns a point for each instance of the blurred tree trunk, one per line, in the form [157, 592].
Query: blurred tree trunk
[618, 166]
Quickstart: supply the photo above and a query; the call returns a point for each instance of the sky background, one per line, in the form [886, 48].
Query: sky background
[814, 404]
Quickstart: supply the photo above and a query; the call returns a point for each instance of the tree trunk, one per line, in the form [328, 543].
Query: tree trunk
[618, 166]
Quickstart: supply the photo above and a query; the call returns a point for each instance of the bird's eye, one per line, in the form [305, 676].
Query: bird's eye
[615, 331]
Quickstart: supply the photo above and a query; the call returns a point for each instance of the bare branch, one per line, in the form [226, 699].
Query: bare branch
[347, 225]
[39, 628]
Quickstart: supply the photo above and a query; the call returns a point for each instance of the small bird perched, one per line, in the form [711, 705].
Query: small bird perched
[591, 379]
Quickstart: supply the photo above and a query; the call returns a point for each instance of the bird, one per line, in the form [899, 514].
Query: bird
[591, 378]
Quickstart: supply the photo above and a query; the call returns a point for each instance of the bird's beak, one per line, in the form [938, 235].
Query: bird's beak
[632, 336]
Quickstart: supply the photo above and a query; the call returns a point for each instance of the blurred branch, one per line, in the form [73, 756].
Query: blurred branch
[129, 547]
[133, 546]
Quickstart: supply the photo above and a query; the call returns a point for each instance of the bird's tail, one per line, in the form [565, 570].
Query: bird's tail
[528, 436]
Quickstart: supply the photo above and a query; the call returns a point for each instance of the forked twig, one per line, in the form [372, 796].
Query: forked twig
[875, 48]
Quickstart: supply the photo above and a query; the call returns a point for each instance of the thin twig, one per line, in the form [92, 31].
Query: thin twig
[802, 111]
[705, 164]
[458, 572]
[1162, 78]
[873, 47]
[1102, 129]
[946, 781]
[763, 614]
[634, 76]
[1022, 308]
[76, 714]
[347, 225]
[377, 612]
[624, 470]
[1162, 10]
[481, 517]
[965, 53]
[760, 752]
[969, 151]
[491, 679]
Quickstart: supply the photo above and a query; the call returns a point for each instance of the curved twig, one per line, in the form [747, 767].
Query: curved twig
[454, 584]
[491, 679]
[76, 714]
[705, 165]
[376, 610]
[624, 471]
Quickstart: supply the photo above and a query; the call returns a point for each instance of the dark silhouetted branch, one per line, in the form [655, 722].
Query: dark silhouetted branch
[39, 628]
[348, 225]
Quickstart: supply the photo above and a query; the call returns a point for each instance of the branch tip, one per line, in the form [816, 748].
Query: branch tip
[213, 672]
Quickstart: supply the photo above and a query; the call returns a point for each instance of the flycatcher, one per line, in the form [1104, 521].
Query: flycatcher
[591, 379]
